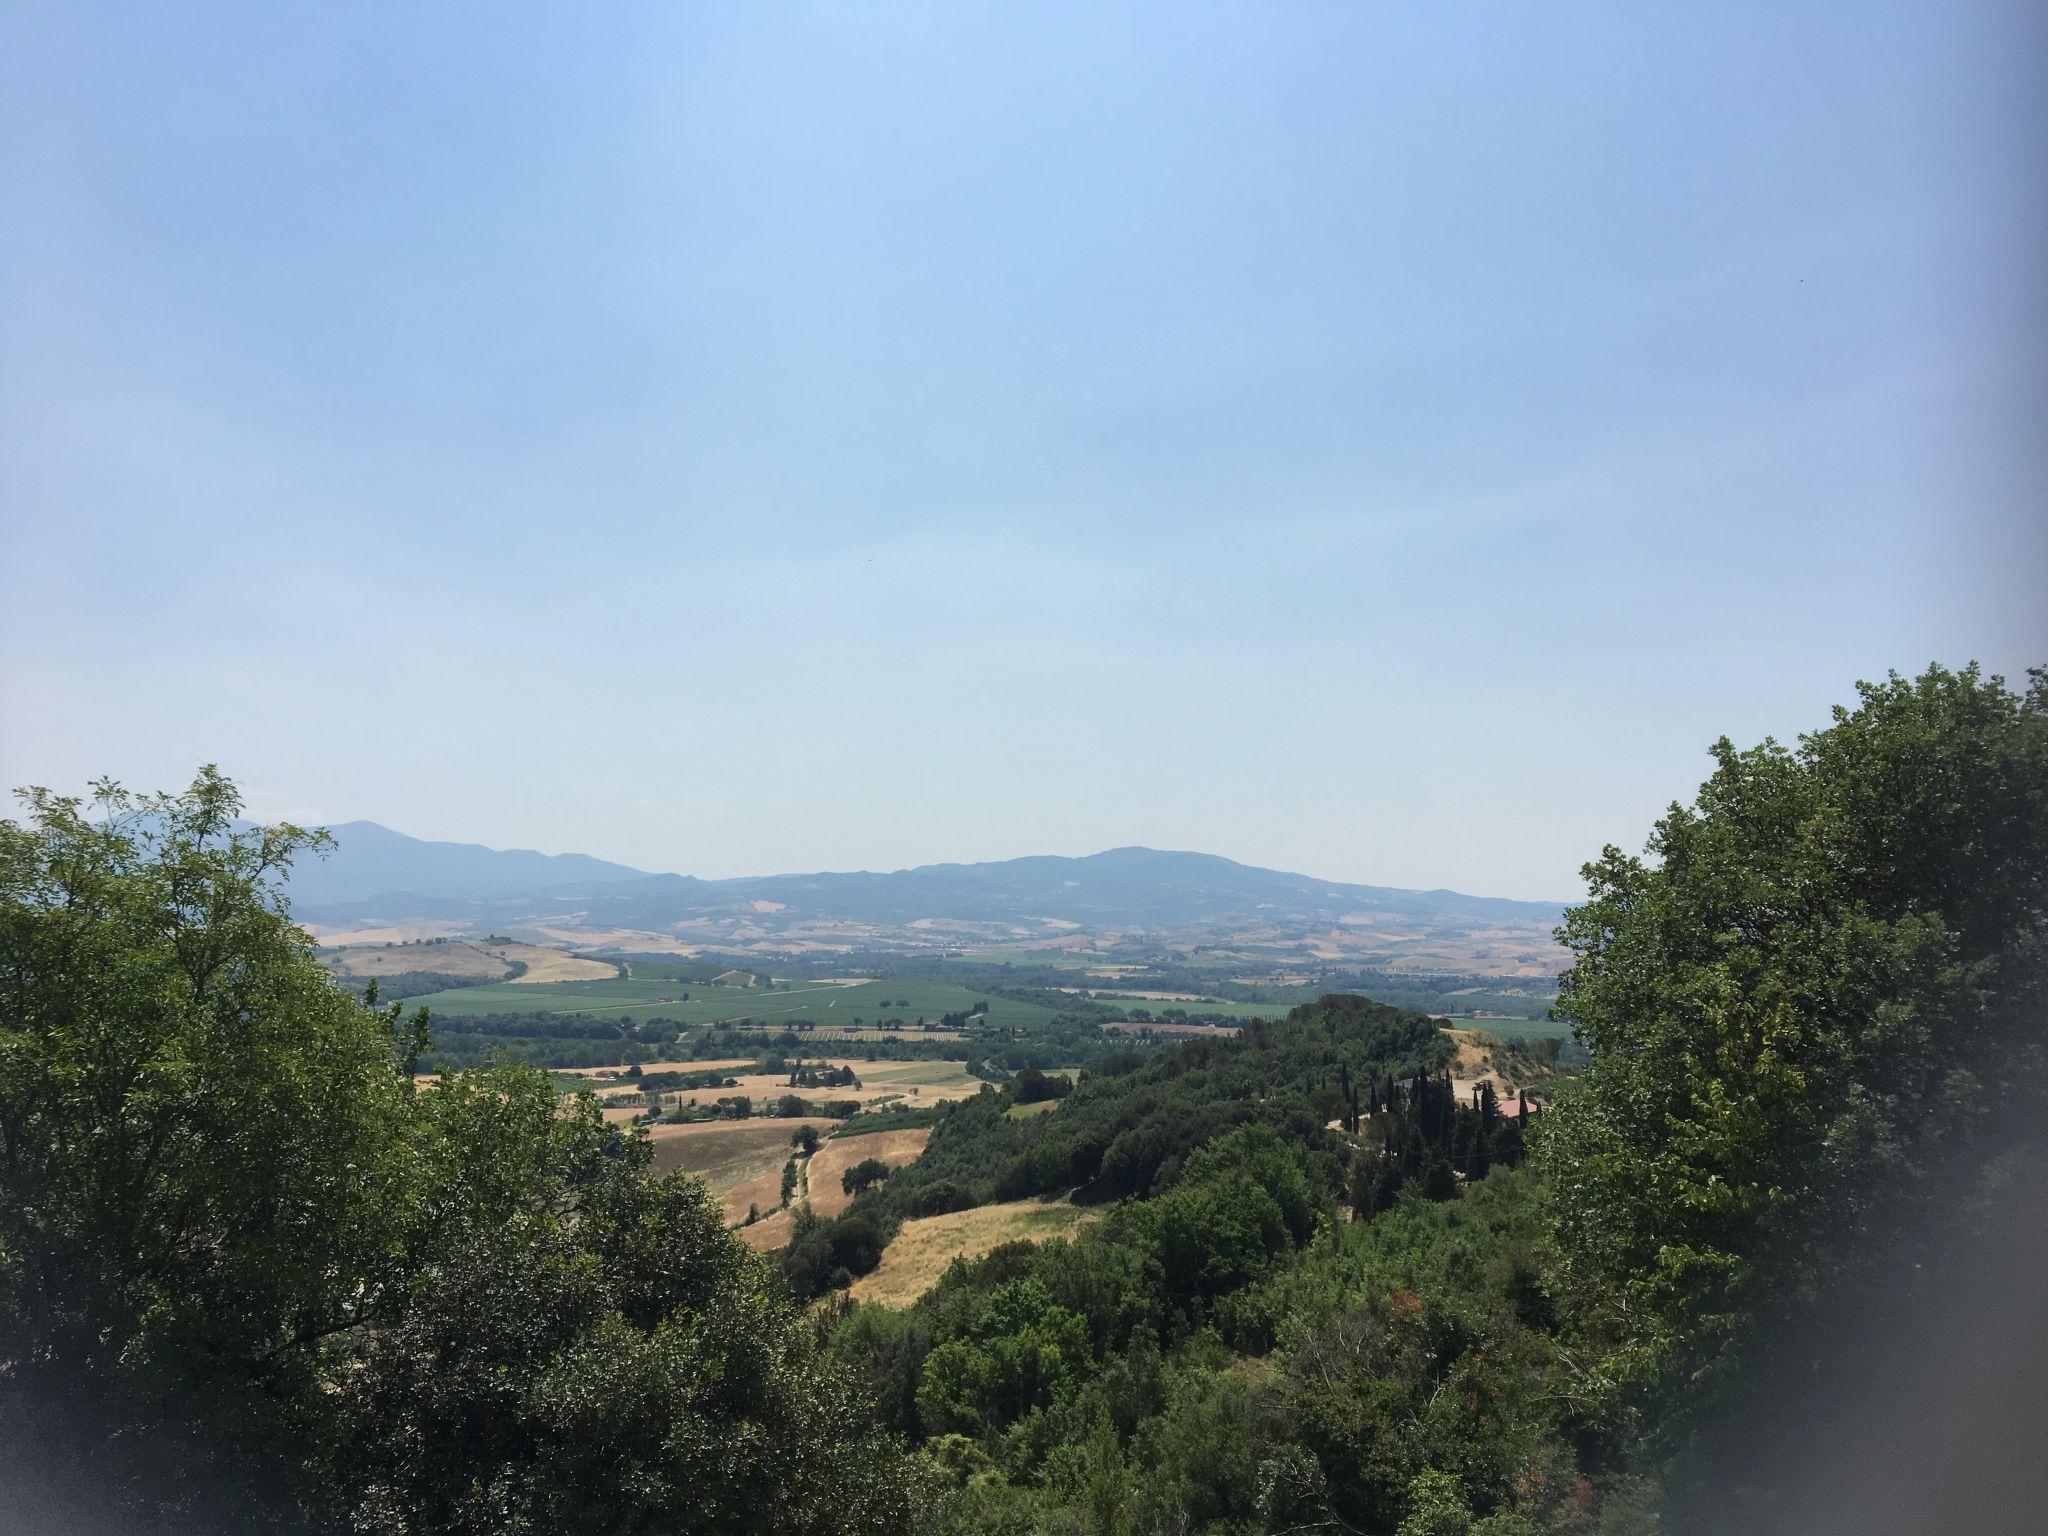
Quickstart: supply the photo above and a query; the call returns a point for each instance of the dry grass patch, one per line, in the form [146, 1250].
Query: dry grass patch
[544, 964]
[914, 1082]
[601, 1076]
[450, 959]
[830, 1162]
[605, 938]
[734, 1157]
[912, 1264]
[770, 1232]
[1470, 1067]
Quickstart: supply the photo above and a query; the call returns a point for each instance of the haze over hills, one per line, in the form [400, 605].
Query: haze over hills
[378, 876]
[371, 862]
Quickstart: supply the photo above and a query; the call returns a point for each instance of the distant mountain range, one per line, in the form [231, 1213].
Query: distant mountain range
[378, 873]
[372, 862]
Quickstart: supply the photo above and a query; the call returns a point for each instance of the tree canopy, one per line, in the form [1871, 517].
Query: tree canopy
[1825, 979]
[250, 1268]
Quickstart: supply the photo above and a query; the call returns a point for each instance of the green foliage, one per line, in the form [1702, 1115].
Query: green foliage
[863, 1176]
[245, 1261]
[1032, 1086]
[1826, 975]
[1240, 1204]
[1023, 1352]
[1822, 988]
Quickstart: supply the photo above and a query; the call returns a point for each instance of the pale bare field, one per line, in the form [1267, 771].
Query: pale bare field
[464, 958]
[830, 1162]
[734, 1157]
[544, 964]
[606, 938]
[454, 958]
[770, 1232]
[912, 1264]
[721, 1064]
[916, 1082]
[760, 1193]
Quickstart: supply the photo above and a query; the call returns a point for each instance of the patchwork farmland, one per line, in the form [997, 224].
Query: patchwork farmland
[831, 1005]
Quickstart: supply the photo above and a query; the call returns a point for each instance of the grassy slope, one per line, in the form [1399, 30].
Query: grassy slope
[737, 1158]
[912, 1264]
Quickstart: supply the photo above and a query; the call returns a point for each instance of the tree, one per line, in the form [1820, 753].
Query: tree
[1828, 973]
[207, 1146]
[237, 1237]
[1024, 1352]
[805, 1139]
[862, 1175]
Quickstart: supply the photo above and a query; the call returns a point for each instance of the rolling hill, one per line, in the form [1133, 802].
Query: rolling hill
[376, 874]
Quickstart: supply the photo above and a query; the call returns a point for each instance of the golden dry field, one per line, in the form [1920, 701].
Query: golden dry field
[830, 1162]
[545, 965]
[912, 1264]
[739, 1159]
[769, 1233]
[914, 1082]
[461, 958]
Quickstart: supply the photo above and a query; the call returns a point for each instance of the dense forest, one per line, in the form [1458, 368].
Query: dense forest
[254, 1274]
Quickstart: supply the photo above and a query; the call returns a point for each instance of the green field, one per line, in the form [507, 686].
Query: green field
[828, 1006]
[1515, 1029]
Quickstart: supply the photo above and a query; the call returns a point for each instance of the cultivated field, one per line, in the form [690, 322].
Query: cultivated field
[832, 1006]
[915, 1082]
[544, 965]
[830, 1162]
[740, 1159]
[857, 1036]
[912, 1264]
[466, 958]
[452, 957]
[603, 1077]
[1518, 1029]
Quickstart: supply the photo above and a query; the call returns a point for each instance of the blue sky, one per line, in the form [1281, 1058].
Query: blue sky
[1388, 442]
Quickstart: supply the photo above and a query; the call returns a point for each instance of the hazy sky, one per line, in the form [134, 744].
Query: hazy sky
[1387, 442]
